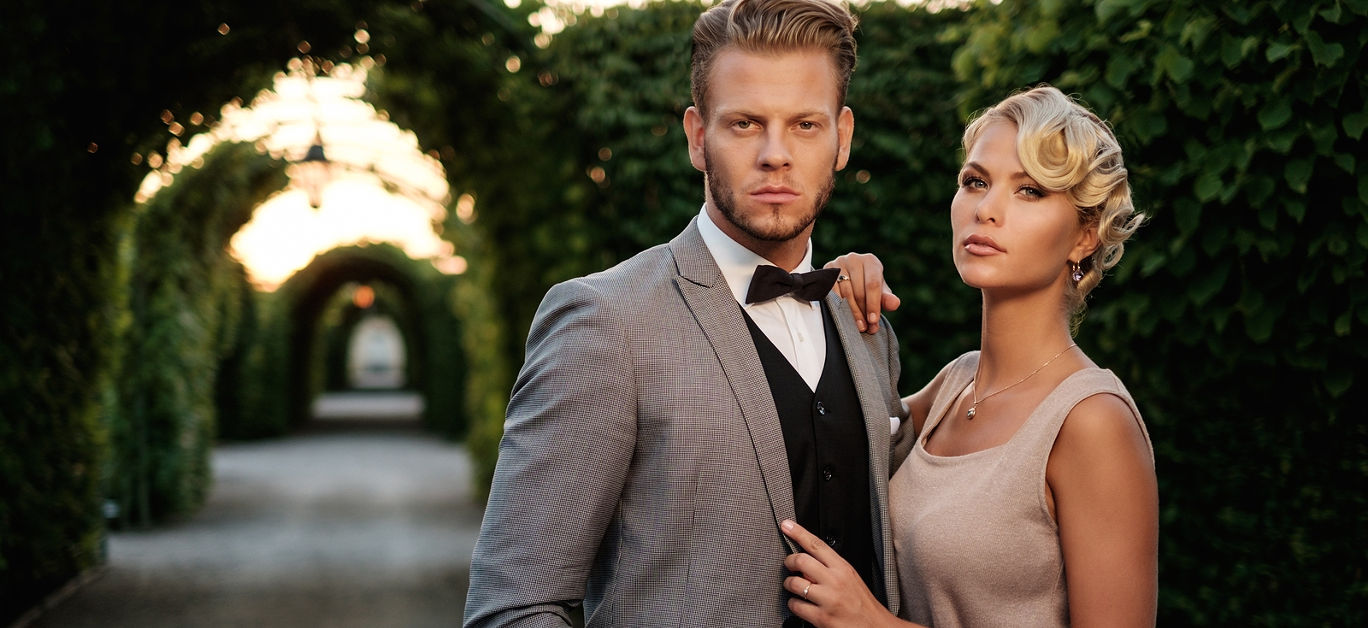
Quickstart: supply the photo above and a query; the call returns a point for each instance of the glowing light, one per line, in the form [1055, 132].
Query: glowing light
[383, 187]
[465, 208]
[454, 265]
[363, 296]
[223, 28]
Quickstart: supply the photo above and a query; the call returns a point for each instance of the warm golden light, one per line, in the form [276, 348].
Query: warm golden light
[381, 187]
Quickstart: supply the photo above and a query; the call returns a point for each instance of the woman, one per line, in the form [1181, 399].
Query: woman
[1026, 494]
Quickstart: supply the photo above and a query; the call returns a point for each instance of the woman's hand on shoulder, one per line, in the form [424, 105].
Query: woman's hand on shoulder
[1106, 501]
[827, 591]
[864, 289]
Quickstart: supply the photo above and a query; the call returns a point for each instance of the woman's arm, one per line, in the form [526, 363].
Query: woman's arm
[864, 289]
[1102, 489]
[827, 591]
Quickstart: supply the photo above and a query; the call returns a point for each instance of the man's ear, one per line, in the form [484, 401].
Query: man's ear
[845, 129]
[694, 125]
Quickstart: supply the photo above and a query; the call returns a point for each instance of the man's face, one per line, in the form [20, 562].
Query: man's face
[773, 137]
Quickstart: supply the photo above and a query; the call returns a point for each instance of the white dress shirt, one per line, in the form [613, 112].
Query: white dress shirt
[793, 325]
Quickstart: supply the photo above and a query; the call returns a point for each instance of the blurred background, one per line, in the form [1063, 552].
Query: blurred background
[248, 244]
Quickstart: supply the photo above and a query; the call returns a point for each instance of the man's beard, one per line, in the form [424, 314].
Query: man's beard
[724, 197]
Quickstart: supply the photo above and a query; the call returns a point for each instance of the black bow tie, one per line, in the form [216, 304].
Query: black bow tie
[771, 281]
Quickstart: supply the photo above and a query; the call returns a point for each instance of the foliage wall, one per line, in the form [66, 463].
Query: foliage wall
[184, 296]
[472, 93]
[1235, 318]
[101, 87]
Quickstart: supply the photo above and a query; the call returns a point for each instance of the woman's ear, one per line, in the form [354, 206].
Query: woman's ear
[1086, 243]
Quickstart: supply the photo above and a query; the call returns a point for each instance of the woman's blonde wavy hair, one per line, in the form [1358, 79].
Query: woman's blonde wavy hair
[1068, 149]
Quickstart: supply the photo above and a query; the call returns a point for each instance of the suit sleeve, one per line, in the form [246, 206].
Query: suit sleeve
[568, 441]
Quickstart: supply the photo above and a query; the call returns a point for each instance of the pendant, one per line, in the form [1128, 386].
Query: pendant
[970, 414]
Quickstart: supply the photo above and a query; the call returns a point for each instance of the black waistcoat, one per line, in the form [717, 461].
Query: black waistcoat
[828, 451]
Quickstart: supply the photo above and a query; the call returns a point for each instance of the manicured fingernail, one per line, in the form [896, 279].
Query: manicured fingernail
[860, 324]
[873, 318]
[787, 525]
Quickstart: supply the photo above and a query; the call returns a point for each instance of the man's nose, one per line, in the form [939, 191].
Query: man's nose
[775, 152]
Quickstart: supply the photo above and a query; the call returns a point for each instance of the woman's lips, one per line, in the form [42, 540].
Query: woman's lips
[982, 245]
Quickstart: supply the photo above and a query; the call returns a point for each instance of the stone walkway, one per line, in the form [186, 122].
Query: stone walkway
[360, 524]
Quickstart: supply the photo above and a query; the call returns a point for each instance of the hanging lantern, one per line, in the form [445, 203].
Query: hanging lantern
[312, 172]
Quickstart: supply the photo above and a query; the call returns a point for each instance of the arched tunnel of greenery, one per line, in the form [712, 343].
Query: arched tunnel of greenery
[1237, 318]
[342, 325]
[426, 312]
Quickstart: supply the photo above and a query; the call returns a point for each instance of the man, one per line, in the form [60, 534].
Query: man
[671, 412]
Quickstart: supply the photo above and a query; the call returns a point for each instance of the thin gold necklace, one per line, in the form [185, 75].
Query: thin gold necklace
[974, 408]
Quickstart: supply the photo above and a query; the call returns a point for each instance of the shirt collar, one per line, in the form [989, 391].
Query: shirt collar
[738, 262]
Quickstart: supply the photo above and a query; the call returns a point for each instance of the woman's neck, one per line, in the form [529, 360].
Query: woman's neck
[1018, 334]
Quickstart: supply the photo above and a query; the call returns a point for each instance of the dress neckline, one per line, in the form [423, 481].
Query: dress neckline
[933, 423]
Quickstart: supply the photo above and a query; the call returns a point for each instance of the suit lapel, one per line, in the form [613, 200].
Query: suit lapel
[873, 403]
[712, 304]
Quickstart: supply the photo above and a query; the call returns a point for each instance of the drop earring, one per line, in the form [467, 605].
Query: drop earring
[1077, 272]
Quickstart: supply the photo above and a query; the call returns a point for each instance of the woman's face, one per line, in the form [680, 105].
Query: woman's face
[1011, 235]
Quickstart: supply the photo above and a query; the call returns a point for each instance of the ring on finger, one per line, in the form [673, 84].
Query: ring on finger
[805, 590]
[842, 277]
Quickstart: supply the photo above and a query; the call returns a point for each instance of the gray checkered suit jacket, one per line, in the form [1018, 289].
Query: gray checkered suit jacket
[642, 467]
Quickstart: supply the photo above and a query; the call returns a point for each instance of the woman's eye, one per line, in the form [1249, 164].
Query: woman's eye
[1033, 192]
[973, 182]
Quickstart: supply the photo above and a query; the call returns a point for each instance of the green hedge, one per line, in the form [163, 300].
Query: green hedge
[91, 92]
[184, 297]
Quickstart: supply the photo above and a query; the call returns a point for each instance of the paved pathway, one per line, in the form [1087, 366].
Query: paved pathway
[363, 524]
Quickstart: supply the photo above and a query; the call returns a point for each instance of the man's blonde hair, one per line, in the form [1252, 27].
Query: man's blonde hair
[772, 26]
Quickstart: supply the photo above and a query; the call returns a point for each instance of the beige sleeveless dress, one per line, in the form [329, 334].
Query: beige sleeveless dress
[974, 539]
